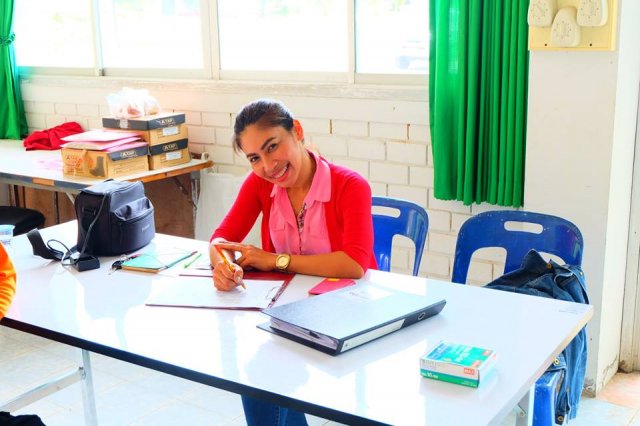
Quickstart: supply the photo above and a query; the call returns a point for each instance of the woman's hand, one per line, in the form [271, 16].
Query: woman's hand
[251, 256]
[226, 275]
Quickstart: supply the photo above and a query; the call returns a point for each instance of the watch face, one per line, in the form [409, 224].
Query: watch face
[282, 261]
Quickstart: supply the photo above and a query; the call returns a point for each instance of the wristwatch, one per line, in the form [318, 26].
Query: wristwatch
[282, 261]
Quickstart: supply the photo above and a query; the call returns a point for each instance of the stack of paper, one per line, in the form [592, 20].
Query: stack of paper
[103, 140]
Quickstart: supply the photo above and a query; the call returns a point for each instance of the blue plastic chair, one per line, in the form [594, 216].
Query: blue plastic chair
[557, 236]
[411, 221]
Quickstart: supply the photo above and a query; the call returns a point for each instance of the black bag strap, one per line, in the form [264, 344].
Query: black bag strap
[46, 251]
[90, 228]
[41, 249]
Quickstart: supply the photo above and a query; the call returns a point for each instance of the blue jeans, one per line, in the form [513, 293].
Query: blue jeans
[260, 413]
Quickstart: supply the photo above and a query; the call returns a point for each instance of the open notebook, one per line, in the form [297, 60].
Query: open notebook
[262, 290]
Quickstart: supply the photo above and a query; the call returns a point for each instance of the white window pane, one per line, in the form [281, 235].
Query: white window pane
[151, 34]
[392, 36]
[283, 35]
[53, 33]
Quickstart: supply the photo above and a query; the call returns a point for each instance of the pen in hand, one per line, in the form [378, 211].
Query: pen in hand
[226, 262]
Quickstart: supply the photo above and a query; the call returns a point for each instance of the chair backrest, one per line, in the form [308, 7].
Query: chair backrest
[23, 219]
[411, 221]
[558, 237]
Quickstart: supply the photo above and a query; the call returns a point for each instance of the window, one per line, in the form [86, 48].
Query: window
[287, 35]
[228, 38]
[151, 34]
[392, 36]
[53, 33]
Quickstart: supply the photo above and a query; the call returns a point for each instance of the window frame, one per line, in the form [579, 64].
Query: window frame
[211, 61]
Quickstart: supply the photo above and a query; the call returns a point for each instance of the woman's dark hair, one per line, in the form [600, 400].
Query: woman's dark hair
[264, 113]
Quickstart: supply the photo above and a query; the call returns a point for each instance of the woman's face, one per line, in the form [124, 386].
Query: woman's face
[275, 154]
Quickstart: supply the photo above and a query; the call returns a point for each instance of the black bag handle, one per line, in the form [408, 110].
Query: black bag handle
[41, 249]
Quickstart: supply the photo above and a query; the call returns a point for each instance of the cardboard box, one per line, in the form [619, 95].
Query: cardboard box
[147, 122]
[460, 364]
[101, 164]
[169, 154]
[160, 135]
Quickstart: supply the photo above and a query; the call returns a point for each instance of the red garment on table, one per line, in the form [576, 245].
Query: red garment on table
[51, 139]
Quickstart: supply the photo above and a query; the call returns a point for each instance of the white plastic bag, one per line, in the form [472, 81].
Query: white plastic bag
[130, 103]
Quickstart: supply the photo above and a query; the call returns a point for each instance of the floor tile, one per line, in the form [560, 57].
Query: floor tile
[595, 412]
[623, 389]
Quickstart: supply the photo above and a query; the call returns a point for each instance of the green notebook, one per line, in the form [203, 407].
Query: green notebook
[155, 262]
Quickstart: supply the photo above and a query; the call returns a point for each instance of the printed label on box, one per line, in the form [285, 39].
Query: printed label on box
[175, 155]
[170, 131]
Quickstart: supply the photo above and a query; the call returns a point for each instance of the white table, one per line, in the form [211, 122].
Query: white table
[378, 382]
[34, 169]
[42, 170]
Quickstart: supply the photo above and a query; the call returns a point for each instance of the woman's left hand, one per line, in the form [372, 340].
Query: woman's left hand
[251, 256]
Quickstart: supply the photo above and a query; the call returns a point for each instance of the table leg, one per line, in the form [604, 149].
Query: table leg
[56, 209]
[88, 397]
[82, 374]
[195, 192]
[524, 409]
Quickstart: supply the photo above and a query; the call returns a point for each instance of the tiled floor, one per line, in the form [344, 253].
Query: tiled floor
[131, 395]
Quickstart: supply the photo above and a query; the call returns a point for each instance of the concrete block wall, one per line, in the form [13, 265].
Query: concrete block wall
[381, 133]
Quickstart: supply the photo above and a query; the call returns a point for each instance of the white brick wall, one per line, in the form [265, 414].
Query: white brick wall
[315, 125]
[366, 149]
[351, 128]
[419, 133]
[388, 130]
[66, 109]
[216, 119]
[407, 153]
[421, 176]
[439, 220]
[330, 146]
[387, 140]
[390, 173]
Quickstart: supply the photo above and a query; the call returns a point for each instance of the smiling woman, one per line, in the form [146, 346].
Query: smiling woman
[316, 216]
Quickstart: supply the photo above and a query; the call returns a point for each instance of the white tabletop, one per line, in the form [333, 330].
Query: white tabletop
[379, 381]
[43, 169]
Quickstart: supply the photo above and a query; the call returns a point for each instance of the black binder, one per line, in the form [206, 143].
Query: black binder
[343, 319]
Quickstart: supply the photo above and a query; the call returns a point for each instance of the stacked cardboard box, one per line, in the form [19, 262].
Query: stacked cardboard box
[166, 134]
[103, 154]
[104, 164]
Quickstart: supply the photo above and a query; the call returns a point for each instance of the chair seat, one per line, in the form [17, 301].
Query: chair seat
[22, 218]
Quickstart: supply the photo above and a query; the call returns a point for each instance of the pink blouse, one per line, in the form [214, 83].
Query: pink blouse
[307, 233]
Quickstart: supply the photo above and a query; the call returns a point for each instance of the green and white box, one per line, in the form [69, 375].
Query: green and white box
[460, 364]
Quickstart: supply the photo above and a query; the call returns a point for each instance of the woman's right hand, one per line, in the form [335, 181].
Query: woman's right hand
[225, 278]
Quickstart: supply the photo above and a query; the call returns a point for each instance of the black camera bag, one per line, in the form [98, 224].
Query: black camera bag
[113, 218]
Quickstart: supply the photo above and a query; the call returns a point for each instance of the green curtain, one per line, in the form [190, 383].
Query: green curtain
[13, 122]
[478, 80]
